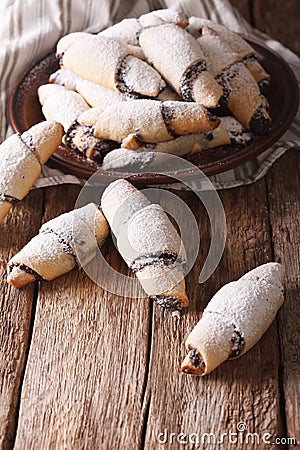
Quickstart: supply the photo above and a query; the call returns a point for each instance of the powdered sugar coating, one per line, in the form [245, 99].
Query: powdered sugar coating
[43, 139]
[160, 237]
[164, 15]
[119, 202]
[121, 158]
[218, 55]
[125, 31]
[140, 77]
[252, 302]
[244, 308]
[64, 106]
[166, 44]
[60, 244]
[231, 39]
[19, 168]
[137, 116]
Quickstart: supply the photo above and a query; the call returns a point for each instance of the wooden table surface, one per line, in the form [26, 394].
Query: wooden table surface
[81, 368]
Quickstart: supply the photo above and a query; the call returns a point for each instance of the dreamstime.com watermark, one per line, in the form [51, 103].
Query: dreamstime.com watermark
[193, 179]
[239, 436]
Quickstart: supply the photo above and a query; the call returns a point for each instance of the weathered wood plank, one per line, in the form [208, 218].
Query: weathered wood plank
[279, 20]
[86, 371]
[245, 390]
[283, 183]
[15, 316]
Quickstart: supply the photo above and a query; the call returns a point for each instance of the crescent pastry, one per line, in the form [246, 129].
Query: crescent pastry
[148, 242]
[235, 319]
[22, 158]
[94, 94]
[230, 131]
[61, 104]
[180, 60]
[127, 30]
[108, 62]
[241, 90]
[60, 245]
[139, 121]
[236, 43]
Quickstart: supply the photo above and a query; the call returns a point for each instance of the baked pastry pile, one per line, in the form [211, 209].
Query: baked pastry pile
[160, 83]
[233, 321]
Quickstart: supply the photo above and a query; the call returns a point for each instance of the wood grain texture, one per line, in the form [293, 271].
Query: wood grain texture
[15, 306]
[284, 187]
[87, 366]
[244, 390]
[281, 20]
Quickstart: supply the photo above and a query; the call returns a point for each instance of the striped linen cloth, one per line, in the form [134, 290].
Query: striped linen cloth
[30, 29]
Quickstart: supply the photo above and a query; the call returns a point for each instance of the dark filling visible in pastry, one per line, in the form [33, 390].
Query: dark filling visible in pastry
[166, 259]
[239, 139]
[59, 57]
[196, 359]
[120, 79]
[167, 301]
[264, 86]
[65, 245]
[8, 198]
[27, 140]
[208, 135]
[238, 343]
[223, 80]
[187, 81]
[260, 123]
[168, 114]
[26, 269]
[80, 138]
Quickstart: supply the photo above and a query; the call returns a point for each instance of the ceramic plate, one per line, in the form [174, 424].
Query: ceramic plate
[282, 95]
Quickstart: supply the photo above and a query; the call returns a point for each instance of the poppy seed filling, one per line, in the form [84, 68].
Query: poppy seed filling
[167, 302]
[238, 342]
[166, 259]
[187, 80]
[8, 198]
[92, 147]
[26, 269]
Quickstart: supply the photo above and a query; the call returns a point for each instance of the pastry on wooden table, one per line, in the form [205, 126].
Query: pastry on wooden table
[58, 246]
[108, 62]
[148, 242]
[235, 319]
[138, 121]
[178, 57]
[21, 161]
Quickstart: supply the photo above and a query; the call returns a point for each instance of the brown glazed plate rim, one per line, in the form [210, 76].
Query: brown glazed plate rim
[282, 94]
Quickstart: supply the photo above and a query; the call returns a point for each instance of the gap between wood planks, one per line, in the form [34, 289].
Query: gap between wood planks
[31, 326]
